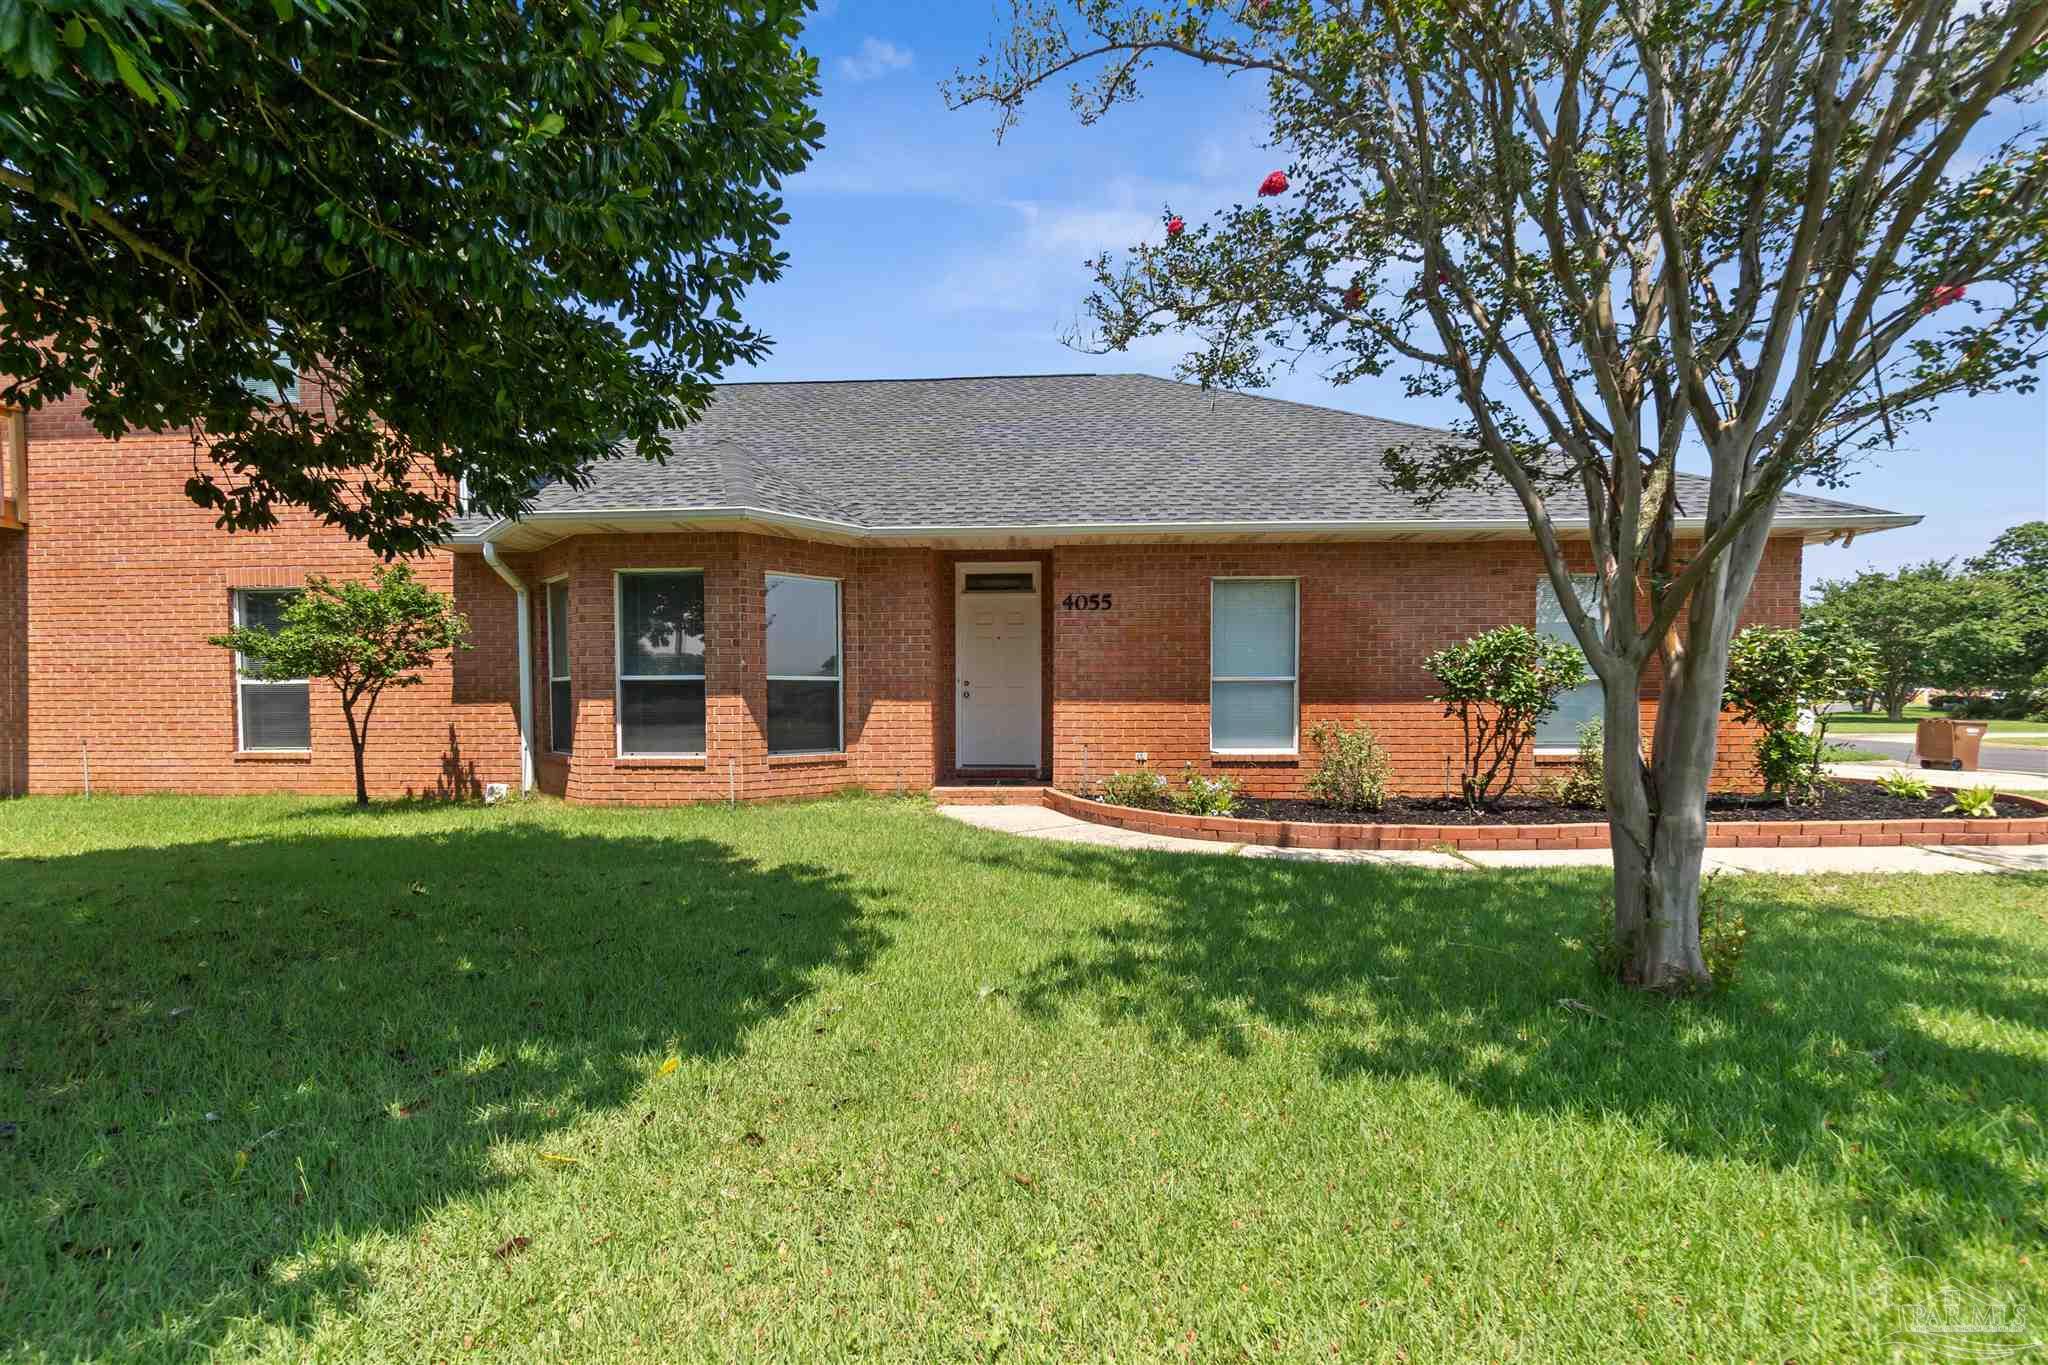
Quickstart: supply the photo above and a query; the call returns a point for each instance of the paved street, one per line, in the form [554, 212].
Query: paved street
[2011, 758]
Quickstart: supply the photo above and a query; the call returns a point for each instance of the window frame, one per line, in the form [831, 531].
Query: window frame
[236, 597]
[620, 677]
[1556, 748]
[1293, 679]
[548, 586]
[839, 664]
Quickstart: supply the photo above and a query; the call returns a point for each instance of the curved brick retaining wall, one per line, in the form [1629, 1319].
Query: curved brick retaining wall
[1720, 833]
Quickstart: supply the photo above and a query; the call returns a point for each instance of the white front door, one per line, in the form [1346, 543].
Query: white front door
[997, 685]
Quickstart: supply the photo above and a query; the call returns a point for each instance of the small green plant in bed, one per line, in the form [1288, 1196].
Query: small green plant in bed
[1585, 783]
[1973, 803]
[1141, 787]
[1199, 795]
[1905, 786]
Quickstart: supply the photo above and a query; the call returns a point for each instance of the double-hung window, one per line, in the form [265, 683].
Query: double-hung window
[1254, 643]
[271, 713]
[661, 664]
[561, 702]
[804, 671]
[1560, 729]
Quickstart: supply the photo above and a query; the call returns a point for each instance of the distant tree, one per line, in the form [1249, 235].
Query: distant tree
[364, 638]
[499, 240]
[2013, 574]
[1901, 617]
[1613, 233]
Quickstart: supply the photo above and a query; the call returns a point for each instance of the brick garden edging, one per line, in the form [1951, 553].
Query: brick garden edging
[1391, 838]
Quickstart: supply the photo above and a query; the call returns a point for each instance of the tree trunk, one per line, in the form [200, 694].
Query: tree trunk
[358, 735]
[1657, 821]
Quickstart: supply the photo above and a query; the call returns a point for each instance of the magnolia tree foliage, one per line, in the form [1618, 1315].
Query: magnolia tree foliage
[1618, 234]
[1785, 681]
[500, 241]
[1500, 685]
[364, 638]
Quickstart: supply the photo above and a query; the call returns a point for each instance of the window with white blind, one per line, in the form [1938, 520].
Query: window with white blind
[561, 702]
[1560, 729]
[661, 664]
[804, 673]
[1254, 642]
[272, 714]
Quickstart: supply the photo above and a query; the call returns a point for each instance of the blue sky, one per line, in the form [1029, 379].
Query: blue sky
[919, 246]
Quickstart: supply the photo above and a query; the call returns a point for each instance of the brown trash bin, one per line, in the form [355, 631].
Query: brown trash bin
[1951, 744]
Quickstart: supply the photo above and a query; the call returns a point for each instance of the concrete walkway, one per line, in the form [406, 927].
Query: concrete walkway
[2006, 780]
[1036, 822]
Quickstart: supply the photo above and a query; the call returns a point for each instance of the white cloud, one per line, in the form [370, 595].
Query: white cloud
[1038, 268]
[877, 57]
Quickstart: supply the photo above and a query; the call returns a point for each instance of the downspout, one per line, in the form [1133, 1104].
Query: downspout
[504, 571]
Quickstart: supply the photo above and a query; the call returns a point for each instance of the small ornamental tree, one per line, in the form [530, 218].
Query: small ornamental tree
[1500, 685]
[1783, 680]
[362, 637]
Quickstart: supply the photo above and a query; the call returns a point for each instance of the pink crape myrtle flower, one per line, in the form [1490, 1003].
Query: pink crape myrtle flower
[1275, 183]
[1943, 296]
[1174, 226]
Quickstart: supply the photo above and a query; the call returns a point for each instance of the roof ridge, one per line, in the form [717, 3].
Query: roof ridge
[922, 379]
[1296, 403]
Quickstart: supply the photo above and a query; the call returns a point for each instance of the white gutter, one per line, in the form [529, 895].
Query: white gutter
[504, 571]
[655, 517]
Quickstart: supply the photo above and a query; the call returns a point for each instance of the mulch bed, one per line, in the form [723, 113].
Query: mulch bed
[1851, 801]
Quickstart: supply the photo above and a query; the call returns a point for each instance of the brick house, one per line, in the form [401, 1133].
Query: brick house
[888, 584]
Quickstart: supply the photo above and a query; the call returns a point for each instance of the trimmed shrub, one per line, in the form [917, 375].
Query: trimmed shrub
[1351, 767]
[1499, 685]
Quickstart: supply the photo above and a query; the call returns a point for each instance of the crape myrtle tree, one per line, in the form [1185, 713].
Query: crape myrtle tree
[363, 638]
[1616, 233]
[501, 240]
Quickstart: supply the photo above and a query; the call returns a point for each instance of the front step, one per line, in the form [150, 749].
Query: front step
[978, 794]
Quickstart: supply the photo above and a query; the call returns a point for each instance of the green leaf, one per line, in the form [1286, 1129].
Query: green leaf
[283, 9]
[650, 55]
[74, 32]
[550, 125]
[131, 76]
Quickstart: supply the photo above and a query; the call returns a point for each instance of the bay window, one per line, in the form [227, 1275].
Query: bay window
[561, 702]
[805, 677]
[661, 663]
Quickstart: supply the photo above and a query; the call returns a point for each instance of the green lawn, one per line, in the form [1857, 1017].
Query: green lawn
[1846, 725]
[288, 1081]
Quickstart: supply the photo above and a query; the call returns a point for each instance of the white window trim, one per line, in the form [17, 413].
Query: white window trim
[547, 598]
[241, 681]
[1543, 581]
[620, 677]
[838, 655]
[1293, 679]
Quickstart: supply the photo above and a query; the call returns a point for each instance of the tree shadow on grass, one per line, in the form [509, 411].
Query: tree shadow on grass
[219, 1057]
[1860, 1045]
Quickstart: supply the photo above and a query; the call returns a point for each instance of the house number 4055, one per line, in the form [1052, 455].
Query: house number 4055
[1087, 601]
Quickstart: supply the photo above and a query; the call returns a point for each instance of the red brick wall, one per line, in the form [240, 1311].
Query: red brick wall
[887, 614]
[126, 579]
[105, 603]
[1136, 678]
[13, 663]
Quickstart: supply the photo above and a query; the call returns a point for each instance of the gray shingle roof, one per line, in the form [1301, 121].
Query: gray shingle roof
[1036, 451]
